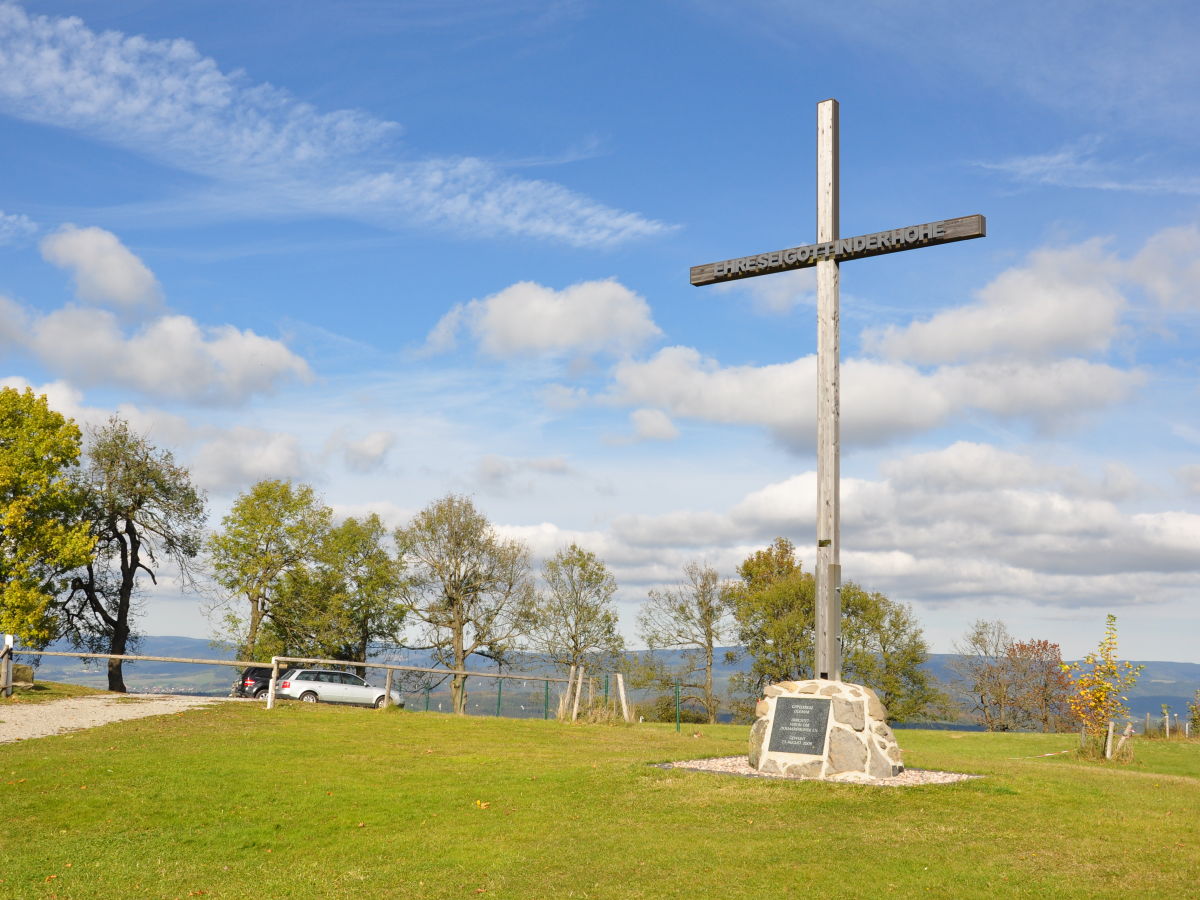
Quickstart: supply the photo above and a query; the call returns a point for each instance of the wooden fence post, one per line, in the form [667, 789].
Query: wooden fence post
[1167, 725]
[6, 666]
[1108, 741]
[387, 689]
[1147, 729]
[621, 694]
[271, 685]
[1125, 736]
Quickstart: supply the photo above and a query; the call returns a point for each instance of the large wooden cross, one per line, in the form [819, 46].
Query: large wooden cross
[826, 254]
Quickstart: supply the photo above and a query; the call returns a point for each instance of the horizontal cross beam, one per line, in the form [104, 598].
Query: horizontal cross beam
[928, 234]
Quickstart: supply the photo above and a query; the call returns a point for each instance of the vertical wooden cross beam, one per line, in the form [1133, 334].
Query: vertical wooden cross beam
[828, 662]
[830, 250]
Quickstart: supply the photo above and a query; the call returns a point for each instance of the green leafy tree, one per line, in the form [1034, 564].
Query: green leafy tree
[1194, 712]
[43, 532]
[576, 621]
[774, 606]
[470, 590]
[343, 599]
[273, 529]
[144, 513]
[693, 617]
[885, 649]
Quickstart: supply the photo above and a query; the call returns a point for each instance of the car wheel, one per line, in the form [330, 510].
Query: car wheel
[379, 702]
[308, 697]
[261, 694]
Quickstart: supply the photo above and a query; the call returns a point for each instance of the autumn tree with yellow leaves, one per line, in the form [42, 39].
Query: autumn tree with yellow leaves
[1099, 683]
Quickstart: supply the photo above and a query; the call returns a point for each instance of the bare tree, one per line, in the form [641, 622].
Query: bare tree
[691, 616]
[985, 674]
[470, 590]
[576, 620]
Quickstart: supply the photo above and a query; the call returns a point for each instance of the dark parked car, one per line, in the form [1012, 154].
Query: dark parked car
[253, 682]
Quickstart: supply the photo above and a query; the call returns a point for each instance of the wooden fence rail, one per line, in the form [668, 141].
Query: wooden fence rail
[8, 650]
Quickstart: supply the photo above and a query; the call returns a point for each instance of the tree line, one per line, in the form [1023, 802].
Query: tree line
[82, 532]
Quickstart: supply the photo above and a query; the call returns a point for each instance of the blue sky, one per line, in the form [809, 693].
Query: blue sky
[400, 249]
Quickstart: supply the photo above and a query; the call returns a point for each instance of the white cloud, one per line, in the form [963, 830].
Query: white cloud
[266, 149]
[1168, 267]
[171, 356]
[1078, 165]
[528, 318]
[1189, 476]
[652, 425]
[369, 453]
[1050, 394]
[14, 322]
[963, 531]
[1060, 301]
[221, 459]
[970, 520]
[15, 227]
[504, 475]
[161, 427]
[880, 401]
[235, 458]
[105, 271]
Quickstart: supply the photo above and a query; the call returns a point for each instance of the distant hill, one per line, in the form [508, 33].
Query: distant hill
[1172, 683]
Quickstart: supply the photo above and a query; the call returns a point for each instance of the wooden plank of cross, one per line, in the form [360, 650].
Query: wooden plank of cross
[826, 255]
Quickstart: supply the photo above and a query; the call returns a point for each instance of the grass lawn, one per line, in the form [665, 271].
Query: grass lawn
[234, 801]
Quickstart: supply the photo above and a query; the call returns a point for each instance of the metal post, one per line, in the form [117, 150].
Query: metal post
[546, 702]
[499, 694]
[606, 691]
[6, 666]
[426, 699]
[677, 710]
[828, 563]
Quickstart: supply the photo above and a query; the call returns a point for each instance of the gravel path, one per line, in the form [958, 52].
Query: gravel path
[739, 765]
[20, 722]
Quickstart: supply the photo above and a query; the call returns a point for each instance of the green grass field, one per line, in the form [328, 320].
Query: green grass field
[234, 801]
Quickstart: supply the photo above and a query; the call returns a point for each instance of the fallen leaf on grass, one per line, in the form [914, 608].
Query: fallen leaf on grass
[482, 804]
[362, 824]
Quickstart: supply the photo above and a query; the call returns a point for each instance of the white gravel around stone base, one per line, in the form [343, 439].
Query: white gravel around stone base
[739, 765]
[22, 721]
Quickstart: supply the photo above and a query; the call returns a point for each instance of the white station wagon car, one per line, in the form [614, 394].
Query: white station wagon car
[329, 686]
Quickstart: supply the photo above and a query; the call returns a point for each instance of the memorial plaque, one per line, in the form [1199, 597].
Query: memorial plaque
[799, 724]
